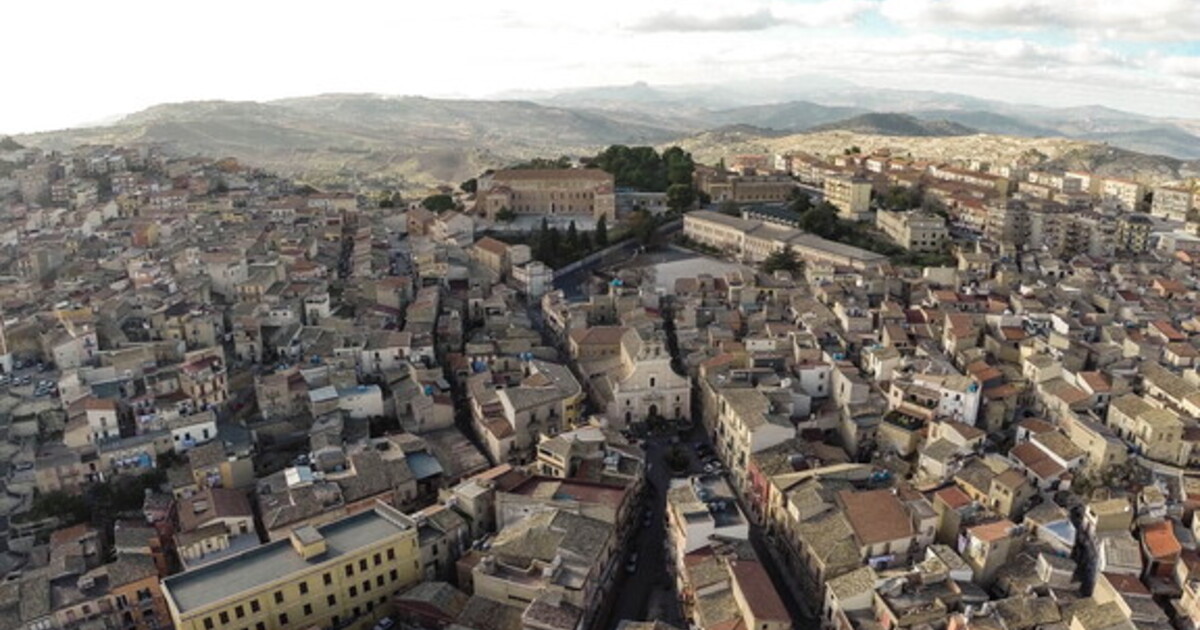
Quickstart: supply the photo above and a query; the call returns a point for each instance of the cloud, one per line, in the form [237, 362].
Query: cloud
[676, 22]
[694, 18]
[1145, 20]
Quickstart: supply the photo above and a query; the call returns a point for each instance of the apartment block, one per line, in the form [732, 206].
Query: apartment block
[850, 194]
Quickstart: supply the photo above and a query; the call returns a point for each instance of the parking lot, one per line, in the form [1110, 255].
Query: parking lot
[31, 380]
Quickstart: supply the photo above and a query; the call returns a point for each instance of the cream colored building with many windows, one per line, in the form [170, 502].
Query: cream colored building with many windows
[341, 574]
[915, 231]
[752, 241]
[850, 194]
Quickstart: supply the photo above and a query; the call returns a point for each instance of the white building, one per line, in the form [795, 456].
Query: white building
[190, 431]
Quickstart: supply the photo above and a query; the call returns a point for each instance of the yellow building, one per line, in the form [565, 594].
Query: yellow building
[341, 574]
[851, 195]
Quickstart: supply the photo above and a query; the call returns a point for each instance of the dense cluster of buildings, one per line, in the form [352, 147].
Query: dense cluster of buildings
[331, 414]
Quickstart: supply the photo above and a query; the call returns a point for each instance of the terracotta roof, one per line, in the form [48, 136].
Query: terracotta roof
[1036, 425]
[1127, 584]
[491, 245]
[599, 335]
[1098, 382]
[876, 516]
[991, 532]
[759, 592]
[953, 496]
[1159, 540]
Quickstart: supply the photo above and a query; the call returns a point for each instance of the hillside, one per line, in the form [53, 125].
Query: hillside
[790, 116]
[336, 139]
[895, 125]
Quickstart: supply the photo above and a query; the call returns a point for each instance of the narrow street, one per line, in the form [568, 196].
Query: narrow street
[649, 592]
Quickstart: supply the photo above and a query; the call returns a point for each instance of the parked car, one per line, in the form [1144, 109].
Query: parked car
[384, 624]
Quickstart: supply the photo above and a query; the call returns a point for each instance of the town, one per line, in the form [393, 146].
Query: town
[855, 391]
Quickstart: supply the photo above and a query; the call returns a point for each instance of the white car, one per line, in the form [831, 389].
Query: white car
[384, 624]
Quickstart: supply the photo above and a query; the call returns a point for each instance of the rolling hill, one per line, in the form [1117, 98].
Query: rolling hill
[896, 125]
[402, 142]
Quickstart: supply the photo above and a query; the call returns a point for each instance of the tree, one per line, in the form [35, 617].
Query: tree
[505, 215]
[602, 232]
[801, 203]
[822, 220]
[782, 260]
[643, 226]
[438, 203]
[572, 244]
[471, 186]
[680, 196]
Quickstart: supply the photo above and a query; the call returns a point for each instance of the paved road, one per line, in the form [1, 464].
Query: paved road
[649, 592]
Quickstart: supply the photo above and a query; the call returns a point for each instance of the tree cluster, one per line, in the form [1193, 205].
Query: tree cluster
[560, 162]
[642, 168]
[438, 203]
[785, 259]
[556, 249]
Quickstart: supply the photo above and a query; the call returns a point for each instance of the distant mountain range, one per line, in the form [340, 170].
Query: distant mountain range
[416, 142]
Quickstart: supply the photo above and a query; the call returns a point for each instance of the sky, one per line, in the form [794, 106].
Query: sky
[75, 62]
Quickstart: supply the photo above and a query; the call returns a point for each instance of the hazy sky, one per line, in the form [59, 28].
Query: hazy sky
[77, 61]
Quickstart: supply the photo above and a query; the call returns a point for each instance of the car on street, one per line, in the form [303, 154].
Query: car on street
[631, 564]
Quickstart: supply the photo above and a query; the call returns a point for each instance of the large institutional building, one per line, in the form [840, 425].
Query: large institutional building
[338, 575]
[752, 241]
[574, 191]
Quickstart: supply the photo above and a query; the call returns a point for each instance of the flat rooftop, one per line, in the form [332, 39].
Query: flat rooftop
[251, 570]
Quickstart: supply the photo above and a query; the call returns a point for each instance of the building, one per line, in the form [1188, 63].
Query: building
[1133, 233]
[554, 192]
[722, 185]
[915, 231]
[752, 241]
[850, 194]
[1171, 203]
[639, 382]
[1126, 194]
[341, 574]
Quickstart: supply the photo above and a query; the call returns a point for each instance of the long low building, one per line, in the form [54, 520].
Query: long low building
[752, 241]
[341, 574]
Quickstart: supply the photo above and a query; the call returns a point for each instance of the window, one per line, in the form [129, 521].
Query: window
[278, 597]
[254, 607]
[379, 581]
[366, 586]
[208, 624]
[391, 554]
[362, 564]
[331, 600]
[239, 611]
[653, 381]
[303, 588]
[393, 575]
[328, 577]
[337, 621]
[353, 591]
[370, 606]
[349, 570]
[307, 609]
[224, 617]
[283, 619]
[260, 626]
[378, 559]
[357, 611]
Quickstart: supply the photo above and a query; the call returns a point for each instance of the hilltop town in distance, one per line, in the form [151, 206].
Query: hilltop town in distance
[639, 387]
